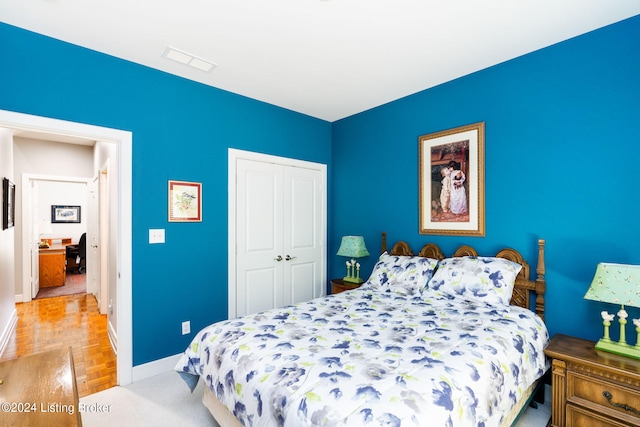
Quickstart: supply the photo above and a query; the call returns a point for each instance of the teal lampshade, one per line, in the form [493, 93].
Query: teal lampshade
[353, 246]
[616, 284]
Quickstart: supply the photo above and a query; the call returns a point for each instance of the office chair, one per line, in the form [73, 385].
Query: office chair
[77, 254]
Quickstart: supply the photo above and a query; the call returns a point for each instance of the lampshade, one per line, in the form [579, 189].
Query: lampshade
[353, 246]
[616, 284]
[45, 227]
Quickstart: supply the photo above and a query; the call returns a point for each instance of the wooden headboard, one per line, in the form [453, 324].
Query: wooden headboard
[525, 290]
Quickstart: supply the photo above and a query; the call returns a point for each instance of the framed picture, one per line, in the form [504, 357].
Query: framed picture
[452, 181]
[8, 203]
[68, 214]
[185, 201]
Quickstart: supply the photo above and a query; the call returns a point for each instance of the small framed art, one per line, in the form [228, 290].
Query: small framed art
[8, 203]
[185, 201]
[65, 214]
[452, 181]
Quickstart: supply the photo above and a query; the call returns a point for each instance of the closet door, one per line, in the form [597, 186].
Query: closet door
[302, 239]
[260, 266]
[279, 235]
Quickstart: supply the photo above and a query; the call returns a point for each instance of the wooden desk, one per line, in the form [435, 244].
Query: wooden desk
[39, 390]
[52, 266]
[63, 240]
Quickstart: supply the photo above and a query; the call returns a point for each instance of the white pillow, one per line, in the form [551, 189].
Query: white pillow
[407, 275]
[485, 280]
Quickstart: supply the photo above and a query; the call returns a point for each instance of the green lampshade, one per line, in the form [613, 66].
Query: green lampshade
[616, 284]
[353, 246]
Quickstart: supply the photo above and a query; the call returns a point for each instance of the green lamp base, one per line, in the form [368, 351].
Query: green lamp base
[618, 348]
[352, 279]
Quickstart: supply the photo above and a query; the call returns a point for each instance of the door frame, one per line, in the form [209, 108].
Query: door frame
[123, 141]
[104, 191]
[233, 156]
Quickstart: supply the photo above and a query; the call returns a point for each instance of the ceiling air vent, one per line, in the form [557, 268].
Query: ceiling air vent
[188, 59]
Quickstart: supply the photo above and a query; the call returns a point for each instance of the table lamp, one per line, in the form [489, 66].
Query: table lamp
[45, 228]
[353, 247]
[617, 284]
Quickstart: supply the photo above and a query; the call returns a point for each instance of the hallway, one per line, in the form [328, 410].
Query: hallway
[62, 321]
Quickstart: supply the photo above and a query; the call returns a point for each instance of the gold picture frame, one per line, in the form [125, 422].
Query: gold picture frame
[452, 181]
[185, 201]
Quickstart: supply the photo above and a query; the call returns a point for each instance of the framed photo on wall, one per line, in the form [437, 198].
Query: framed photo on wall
[65, 214]
[185, 201]
[452, 181]
[8, 203]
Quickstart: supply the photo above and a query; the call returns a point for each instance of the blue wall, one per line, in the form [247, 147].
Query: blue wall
[181, 130]
[562, 153]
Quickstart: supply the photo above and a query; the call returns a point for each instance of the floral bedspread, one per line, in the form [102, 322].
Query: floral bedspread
[369, 358]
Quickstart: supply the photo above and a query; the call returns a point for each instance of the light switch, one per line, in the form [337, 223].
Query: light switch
[156, 235]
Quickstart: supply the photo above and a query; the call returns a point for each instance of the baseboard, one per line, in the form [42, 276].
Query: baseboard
[8, 331]
[19, 298]
[113, 338]
[154, 368]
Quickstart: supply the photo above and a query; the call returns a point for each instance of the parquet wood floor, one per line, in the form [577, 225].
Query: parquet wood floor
[70, 320]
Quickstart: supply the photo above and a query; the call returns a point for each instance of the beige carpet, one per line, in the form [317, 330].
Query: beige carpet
[159, 401]
[165, 400]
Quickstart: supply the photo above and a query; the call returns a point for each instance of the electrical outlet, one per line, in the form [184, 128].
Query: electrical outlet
[186, 327]
[156, 235]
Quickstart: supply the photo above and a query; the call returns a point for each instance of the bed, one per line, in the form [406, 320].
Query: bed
[427, 340]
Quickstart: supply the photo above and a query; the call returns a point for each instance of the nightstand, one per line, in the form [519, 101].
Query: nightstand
[590, 387]
[339, 285]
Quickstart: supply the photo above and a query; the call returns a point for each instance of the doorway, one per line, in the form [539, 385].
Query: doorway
[38, 193]
[120, 250]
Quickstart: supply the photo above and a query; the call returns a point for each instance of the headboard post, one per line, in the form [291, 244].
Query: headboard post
[384, 242]
[540, 280]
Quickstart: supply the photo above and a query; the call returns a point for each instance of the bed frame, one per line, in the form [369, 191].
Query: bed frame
[525, 291]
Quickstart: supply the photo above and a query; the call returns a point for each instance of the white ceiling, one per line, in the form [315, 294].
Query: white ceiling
[328, 59]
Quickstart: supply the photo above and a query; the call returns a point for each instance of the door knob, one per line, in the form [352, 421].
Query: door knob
[278, 258]
[289, 258]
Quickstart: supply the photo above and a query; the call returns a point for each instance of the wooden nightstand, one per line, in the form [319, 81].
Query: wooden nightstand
[339, 285]
[592, 388]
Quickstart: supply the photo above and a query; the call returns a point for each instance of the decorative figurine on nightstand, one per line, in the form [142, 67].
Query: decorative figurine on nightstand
[617, 284]
[353, 247]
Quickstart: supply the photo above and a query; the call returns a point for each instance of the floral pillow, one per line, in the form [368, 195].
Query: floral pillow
[484, 280]
[407, 275]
